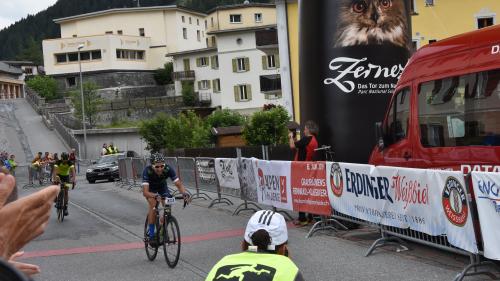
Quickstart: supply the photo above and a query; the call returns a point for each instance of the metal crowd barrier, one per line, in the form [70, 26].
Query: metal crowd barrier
[187, 173]
[207, 180]
[138, 165]
[172, 162]
[122, 172]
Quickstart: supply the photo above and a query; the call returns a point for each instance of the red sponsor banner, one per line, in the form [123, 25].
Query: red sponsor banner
[309, 191]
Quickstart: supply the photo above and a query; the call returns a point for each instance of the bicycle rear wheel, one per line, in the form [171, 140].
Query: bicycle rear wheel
[60, 206]
[151, 252]
[171, 241]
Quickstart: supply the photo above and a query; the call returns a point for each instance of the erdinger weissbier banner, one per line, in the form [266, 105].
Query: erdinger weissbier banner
[429, 201]
[352, 54]
[309, 191]
[226, 170]
[273, 183]
[487, 194]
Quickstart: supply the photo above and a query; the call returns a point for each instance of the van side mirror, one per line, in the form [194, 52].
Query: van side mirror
[379, 136]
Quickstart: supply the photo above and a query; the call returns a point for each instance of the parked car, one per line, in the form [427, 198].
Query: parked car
[106, 168]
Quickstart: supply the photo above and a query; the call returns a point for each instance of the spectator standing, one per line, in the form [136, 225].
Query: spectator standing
[304, 151]
[13, 164]
[104, 149]
[112, 149]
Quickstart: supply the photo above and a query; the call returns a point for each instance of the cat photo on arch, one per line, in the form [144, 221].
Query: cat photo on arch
[372, 22]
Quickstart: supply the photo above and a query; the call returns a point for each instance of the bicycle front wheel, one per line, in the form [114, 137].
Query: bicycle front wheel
[151, 250]
[60, 206]
[171, 241]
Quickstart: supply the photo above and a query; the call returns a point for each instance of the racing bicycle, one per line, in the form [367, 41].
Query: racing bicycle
[167, 234]
[60, 200]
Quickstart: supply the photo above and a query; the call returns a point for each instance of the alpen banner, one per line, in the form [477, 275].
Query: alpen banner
[309, 193]
[273, 183]
[227, 172]
[487, 194]
[429, 201]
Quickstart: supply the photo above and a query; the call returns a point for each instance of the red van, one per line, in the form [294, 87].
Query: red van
[445, 111]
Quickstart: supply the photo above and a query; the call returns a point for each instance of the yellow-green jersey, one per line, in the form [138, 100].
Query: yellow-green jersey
[255, 266]
[64, 167]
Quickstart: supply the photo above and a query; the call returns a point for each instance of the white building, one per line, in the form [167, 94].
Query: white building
[11, 82]
[123, 46]
[240, 69]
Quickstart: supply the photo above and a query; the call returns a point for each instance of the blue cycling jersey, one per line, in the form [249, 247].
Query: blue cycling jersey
[158, 183]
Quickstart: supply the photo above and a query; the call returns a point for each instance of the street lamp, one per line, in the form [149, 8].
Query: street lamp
[83, 104]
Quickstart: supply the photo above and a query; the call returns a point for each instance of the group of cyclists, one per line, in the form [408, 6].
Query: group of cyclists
[57, 169]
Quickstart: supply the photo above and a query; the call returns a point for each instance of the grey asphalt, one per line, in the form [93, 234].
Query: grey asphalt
[103, 214]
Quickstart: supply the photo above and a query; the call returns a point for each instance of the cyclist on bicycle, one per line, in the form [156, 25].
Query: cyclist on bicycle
[154, 183]
[63, 170]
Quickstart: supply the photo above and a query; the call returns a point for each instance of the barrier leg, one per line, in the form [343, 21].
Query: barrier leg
[201, 195]
[326, 224]
[244, 207]
[387, 240]
[480, 268]
[220, 200]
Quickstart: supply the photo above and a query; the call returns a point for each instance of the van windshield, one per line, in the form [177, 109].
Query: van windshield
[460, 111]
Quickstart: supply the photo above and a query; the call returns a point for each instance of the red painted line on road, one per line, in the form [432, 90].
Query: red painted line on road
[131, 246]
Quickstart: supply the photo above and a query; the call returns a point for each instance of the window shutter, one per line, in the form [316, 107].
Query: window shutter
[198, 62]
[235, 66]
[264, 62]
[214, 84]
[247, 64]
[209, 84]
[249, 91]
[236, 93]
[277, 60]
[212, 62]
[199, 85]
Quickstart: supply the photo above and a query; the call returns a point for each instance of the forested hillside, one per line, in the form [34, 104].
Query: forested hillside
[23, 40]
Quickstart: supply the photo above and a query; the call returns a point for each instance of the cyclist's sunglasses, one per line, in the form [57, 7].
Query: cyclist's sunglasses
[159, 166]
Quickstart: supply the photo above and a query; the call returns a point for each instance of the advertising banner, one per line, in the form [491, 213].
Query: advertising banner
[352, 54]
[248, 182]
[429, 201]
[487, 194]
[309, 193]
[226, 170]
[273, 181]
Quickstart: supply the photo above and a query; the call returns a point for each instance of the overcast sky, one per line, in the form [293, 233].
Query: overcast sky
[14, 10]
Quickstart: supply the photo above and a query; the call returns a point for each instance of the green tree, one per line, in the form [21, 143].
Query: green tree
[92, 101]
[45, 86]
[225, 118]
[185, 131]
[267, 127]
[32, 52]
[188, 97]
[163, 76]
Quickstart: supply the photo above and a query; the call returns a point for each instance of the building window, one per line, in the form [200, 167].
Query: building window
[212, 21]
[241, 65]
[216, 84]
[432, 41]
[204, 85]
[96, 55]
[198, 35]
[270, 83]
[413, 7]
[206, 24]
[235, 18]
[202, 62]
[183, 19]
[108, 32]
[215, 62]
[141, 32]
[28, 70]
[429, 3]
[271, 61]
[190, 22]
[258, 17]
[71, 82]
[485, 22]
[214, 42]
[74, 35]
[61, 58]
[73, 57]
[129, 54]
[120, 32]
[242, 93]
[184, 33]
[197, 21]
[84, 56]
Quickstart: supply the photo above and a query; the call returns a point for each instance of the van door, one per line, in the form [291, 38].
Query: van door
[398, 150]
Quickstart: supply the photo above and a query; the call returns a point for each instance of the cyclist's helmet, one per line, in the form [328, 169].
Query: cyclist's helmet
[64, 156]
[157, 158]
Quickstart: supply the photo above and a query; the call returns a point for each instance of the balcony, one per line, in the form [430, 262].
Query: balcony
[204, 98]
[183, 75]
[266, 39]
